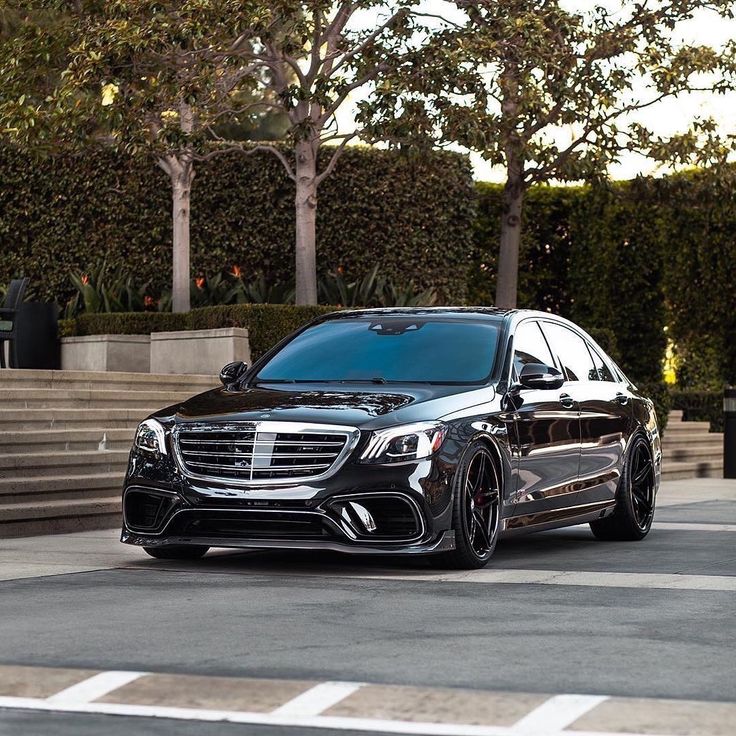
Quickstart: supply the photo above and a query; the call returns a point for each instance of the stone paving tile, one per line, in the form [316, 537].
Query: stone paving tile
[672, 717]
[38, 682]
[216, 693]
[468, 707]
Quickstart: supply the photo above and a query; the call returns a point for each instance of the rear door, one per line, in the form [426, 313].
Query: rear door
[604, 417]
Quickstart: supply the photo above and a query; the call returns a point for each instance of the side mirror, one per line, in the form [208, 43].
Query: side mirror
[539, 376]
[232, 373]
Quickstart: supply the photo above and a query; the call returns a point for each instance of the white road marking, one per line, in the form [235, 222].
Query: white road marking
[317, 699]
[686, 526]
[557, 713]
[92, 688]
[665, 581]
[271, 719]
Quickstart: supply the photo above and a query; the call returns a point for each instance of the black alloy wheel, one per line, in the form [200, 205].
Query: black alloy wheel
[477, 510]
[634, 512]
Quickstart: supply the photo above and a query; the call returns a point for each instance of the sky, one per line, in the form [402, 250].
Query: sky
[664, 118]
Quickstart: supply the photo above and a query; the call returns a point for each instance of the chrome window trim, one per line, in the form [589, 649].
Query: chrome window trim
[351, 434]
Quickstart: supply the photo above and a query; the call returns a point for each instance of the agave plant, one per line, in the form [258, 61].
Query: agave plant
[371, 291]
[260, 291]
[337, 290]
[104, 288]
[407, 296]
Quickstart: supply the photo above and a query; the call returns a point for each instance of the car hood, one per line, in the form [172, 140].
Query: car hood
[344, 405]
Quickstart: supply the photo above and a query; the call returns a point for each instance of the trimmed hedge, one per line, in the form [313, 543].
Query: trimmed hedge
[632, 257]
[412, 213]
[586, 254]
[267, 324]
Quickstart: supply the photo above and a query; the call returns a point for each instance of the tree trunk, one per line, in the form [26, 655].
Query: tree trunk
[306, 222]
[508, 258]
[182, 175]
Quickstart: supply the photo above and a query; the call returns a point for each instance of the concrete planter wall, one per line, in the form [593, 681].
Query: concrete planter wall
[106, 353]
[198, 351]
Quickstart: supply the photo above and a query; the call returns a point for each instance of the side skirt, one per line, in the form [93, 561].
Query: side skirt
[525, 524]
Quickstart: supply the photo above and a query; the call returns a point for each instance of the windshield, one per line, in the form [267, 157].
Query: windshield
[395, 349]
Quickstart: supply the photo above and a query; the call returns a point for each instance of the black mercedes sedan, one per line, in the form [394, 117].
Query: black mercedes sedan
[400, 431]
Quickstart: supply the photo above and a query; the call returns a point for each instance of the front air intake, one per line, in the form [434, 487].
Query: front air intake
[379, 517]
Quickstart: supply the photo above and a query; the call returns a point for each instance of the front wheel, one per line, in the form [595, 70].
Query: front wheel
[177, 552]
[632, 518]
[476, 514]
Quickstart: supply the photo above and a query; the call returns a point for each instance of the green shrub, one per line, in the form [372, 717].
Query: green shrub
[130, 323]
[413, 214]
[700, 406]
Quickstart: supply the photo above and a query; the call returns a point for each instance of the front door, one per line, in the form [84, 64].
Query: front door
[547, 427]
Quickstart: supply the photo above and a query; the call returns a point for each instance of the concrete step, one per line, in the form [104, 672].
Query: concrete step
[55, 517]
[38, 419]
[63, 463]
[43, 398]
[696, 438]
[687, 427]
[704, 469]
[33, 379]
[36, 488]
[714, 439]
[69, 440]
[693, 453]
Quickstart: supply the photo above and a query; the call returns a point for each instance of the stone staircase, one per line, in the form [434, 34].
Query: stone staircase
[64, 443]
[690, 450]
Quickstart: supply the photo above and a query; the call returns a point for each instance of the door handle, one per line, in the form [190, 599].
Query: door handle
[622, 399]
[567, 401]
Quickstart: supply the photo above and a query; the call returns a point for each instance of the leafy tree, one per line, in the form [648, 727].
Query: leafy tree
[141, 75]
[309, 58]
[552, 94]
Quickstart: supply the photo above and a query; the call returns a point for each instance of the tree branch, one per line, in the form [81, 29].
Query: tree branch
[333, 159]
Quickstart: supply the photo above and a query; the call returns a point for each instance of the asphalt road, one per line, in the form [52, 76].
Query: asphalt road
[302, 616]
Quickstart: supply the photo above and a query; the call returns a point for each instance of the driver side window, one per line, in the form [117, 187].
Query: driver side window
[530, 347]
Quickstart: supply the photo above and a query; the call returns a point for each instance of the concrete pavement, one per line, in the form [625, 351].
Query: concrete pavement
[560, 633]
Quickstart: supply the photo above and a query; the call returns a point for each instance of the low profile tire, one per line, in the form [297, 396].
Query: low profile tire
[177, 552]
[632, 518]
[476, 516]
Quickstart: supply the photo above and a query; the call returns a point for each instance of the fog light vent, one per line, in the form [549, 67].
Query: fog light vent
[386, 518]
[146, 511]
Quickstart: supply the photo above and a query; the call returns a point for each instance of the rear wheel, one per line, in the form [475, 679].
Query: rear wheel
[634, 512]
[177, 552]
[476, 512]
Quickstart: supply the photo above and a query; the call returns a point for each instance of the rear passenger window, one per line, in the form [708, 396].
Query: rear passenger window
[530, 347]
[572, 352]
[603, 371]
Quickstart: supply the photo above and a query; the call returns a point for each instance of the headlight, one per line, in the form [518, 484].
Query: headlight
[404, 443]
[150, 437]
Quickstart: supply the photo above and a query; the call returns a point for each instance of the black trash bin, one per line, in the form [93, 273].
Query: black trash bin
[729, 433]
[36, 343]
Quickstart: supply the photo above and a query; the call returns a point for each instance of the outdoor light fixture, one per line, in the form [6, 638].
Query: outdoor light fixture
[150, 437]
[404, 443]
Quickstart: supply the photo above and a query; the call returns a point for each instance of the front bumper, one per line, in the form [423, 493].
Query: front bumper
[362, 510]
[445, 542]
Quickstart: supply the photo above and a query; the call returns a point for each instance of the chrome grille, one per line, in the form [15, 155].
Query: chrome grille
[262, 451]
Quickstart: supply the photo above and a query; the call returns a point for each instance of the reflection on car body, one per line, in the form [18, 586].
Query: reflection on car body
[418, 431]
